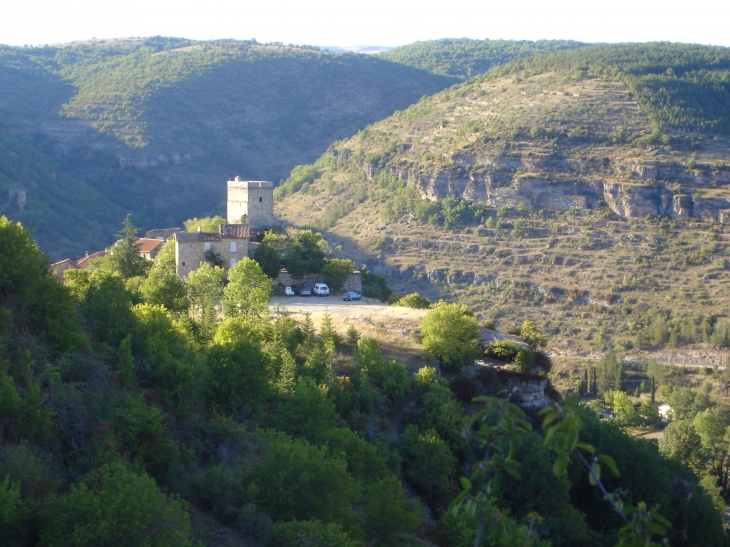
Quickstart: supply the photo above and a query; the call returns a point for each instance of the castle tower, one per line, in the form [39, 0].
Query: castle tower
[253, 199]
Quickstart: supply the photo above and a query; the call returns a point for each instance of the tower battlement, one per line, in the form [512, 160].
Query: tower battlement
[251, 200]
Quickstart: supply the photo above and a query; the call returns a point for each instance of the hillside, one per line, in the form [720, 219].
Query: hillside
[555, 188]
[464, 57]
[157, 125]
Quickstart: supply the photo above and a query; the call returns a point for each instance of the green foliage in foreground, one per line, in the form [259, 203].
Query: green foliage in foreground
[124, 411]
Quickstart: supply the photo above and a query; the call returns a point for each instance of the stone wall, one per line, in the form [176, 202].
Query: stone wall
[285, 279]
[189, 255]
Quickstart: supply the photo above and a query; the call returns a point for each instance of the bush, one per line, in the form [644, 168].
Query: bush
[312, 532]
[296, 480]
[451, 333]
[429, 462]
[112, 506]
[413, 300]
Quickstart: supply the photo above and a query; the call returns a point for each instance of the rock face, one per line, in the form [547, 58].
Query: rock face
[528, 393]
[631, 190]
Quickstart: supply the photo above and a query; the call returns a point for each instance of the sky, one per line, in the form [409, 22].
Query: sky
[367, 22]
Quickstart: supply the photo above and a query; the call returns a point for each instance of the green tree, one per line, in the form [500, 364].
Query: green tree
[269, 259]
[165, 258]
[390, 377]
[388, 514]
[247, 291]
[336, 271]
[35, 298]
[206, 224]
[106, 304]
[304, 253]
[450, 332]
[236, 375]
[681, 442]
[297, 480]
[205, 287]
[534, 337]
[15, 514]
[609, 372]
[308, 411]
[328, 337]
[166, 289]
[112, 506]
[621, 405]
[353, 335]
[317, 367]
[429, 462]
[126, 259]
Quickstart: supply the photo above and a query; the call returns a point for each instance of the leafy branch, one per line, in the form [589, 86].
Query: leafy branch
[562, 433]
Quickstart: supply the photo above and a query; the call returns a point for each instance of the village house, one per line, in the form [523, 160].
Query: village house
[148, 248]
[63, 265]
[230, 244]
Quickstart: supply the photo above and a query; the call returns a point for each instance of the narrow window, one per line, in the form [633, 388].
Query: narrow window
[183, 263]
[206, 246]
[233, 262]
[234, 246]
[261, 199]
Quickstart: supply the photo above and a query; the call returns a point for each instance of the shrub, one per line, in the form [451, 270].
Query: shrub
[413, 300]
[451, 333]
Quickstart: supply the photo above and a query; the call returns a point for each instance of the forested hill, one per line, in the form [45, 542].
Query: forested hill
[679, 86]
[465, 57]
[157, 125]
[587, 180]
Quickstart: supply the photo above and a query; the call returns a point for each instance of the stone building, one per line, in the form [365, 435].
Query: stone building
[252, 202]
[148, 248]
[230, 243]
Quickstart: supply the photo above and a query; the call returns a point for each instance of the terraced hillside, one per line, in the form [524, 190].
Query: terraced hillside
[545, 191]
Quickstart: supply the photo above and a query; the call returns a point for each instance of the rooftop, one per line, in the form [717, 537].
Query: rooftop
[146, 245]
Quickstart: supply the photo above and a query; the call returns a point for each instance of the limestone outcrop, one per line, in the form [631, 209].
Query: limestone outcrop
[629, 189]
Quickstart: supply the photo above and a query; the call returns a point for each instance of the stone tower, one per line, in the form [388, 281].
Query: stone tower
[253, 199]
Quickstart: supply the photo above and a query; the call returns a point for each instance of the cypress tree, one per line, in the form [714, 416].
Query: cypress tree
[652, 389]
[595, 381]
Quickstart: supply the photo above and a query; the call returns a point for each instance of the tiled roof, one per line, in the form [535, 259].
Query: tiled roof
[97, 254]
[146, 245]
[71, 263]
[196, 237]
[234, 231]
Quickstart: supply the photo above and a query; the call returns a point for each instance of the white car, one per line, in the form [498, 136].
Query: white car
[288, 291]
[320, 289]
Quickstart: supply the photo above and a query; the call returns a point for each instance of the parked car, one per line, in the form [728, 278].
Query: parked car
[320, 289]
[289, 291]
[351, 296]
[305, 291]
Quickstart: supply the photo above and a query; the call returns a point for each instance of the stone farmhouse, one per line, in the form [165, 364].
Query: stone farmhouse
[230, 243]
[148, 248]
